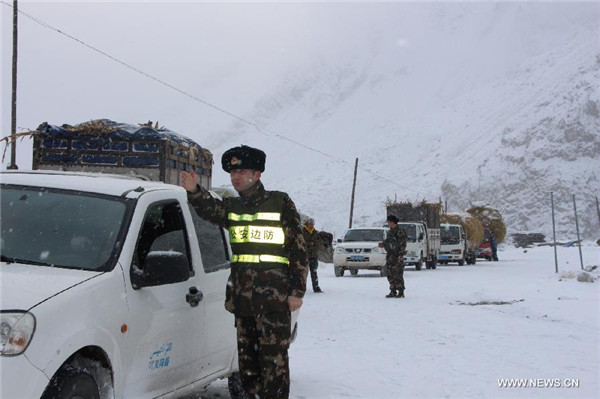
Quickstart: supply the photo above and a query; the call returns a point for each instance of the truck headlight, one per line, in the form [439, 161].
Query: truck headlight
[339, 250]
[16, 331]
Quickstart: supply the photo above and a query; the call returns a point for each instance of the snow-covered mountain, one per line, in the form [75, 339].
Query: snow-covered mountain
[446, 101]
[493, 102]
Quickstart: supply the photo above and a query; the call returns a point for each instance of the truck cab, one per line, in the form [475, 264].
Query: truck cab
[453, 244]
[419, 245]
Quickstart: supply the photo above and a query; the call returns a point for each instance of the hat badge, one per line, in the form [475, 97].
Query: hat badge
[235, 161]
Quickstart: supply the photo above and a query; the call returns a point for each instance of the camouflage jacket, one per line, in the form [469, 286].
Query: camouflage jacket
[395, 242]
[313, 242]
[253, 290]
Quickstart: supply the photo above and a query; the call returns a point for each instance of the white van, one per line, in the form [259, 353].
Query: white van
[111, 288]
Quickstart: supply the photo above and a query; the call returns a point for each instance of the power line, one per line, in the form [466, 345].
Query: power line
[204, 102]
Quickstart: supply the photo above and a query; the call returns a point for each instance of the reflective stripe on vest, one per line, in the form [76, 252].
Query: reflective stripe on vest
[259, 259]
[273, 216]
[256, 234]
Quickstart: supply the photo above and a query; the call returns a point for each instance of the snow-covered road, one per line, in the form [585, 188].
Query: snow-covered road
[442, 341]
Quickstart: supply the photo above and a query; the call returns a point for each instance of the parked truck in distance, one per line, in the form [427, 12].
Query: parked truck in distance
[456, 246]
[484, 250]
[421, 223]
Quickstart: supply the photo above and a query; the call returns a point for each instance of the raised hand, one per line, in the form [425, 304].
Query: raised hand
[188, 181]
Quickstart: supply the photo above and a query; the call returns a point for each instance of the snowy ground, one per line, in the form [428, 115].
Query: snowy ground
[439, 342]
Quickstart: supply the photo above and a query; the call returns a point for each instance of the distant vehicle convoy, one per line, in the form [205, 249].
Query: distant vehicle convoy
[461, 239]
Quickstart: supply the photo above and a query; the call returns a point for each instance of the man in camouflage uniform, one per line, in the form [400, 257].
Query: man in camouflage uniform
[268, 268]
[313, 242]
[395, 247]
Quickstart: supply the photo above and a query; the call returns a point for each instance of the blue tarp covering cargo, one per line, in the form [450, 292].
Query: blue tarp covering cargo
[111, 147]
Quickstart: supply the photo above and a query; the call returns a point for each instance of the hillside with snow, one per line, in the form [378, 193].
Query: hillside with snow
[442, 101]
[472, 102]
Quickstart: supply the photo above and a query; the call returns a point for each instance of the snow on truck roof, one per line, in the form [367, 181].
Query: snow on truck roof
[82, 181]
[112, 130]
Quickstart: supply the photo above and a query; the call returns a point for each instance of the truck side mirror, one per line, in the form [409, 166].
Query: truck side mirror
[339, 240]
[464, 236]
[380, 245]
[420, 236]
[160, 268]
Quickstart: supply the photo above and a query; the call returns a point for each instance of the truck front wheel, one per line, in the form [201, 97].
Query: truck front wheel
[72, 383]
[419, 264]
[339, 271]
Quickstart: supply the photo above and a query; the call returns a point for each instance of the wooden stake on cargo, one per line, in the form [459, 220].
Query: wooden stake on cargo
[353, 189]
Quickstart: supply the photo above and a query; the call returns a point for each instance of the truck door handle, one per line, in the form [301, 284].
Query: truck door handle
[194, 297]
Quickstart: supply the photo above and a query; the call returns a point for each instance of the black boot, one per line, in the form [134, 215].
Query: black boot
[317, 290]
[401, 294]
[392, 294]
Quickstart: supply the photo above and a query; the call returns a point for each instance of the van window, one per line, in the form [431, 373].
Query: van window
[162, 230]
[61, 228]
[212, 243]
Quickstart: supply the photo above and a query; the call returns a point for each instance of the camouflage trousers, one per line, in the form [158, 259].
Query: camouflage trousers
[263, 342]
[313, 264]
[395, 273]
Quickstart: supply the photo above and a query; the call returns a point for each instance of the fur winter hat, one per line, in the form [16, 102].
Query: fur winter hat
[243, 157]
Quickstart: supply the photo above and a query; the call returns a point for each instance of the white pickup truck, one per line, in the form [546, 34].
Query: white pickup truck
[361, 248]
[111, 288]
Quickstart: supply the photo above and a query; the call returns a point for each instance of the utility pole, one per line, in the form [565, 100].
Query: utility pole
[353, 189]
[577, 226]
[554, 234]
[598, 210]
[13, 118]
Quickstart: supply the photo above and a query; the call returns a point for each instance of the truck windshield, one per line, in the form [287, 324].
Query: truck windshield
[364, 235]
[449, 235]
[61, 228]
[410, 230]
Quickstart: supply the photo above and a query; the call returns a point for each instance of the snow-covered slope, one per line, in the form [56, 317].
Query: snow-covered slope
[494, 103]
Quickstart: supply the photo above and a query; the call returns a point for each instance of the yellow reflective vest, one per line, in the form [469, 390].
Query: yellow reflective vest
[256, 235]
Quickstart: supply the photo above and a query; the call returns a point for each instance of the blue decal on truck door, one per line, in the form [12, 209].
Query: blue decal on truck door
[160, 358]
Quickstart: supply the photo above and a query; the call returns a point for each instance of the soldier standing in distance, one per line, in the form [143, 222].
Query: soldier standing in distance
[313, 242]
[395, 247]
[268, 268]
